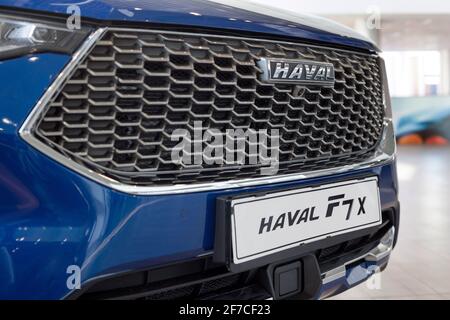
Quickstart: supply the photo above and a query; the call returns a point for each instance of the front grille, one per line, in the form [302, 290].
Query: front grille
[116, 112]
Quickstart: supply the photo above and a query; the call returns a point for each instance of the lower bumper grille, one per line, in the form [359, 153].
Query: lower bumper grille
[215, 286]
[117, 111]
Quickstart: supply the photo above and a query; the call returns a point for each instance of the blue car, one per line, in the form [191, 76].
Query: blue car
[433, 123]
[190, 149]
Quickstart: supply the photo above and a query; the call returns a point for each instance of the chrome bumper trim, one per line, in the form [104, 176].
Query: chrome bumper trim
[377, 254]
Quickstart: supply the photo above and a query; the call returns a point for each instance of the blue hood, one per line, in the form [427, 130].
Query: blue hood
[231, 15]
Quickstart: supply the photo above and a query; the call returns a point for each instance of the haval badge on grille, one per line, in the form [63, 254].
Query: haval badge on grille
[297, 71]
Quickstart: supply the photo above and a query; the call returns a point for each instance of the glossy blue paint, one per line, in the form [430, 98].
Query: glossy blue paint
[22, 82]
[51, 217]
[196, 13]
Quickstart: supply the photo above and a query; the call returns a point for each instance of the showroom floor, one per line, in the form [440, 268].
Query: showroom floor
[420, 263]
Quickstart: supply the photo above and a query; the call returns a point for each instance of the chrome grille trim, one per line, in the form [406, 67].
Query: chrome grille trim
[382, 155]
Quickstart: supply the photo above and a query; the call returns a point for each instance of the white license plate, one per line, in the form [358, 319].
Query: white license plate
[262, 225]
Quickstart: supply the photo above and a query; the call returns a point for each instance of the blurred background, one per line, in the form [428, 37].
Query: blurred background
[415, 38]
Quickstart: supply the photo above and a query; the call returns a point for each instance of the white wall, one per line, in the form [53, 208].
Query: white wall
[347, 7]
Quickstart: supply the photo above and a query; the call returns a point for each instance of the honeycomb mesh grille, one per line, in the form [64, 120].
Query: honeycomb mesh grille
[116, 112]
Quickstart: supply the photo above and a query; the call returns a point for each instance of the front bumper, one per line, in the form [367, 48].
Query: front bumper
[52, 218]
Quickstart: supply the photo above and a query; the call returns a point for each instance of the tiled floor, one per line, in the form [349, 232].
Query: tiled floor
[420, 264]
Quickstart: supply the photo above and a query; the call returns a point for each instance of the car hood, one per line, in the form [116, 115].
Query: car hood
[233, 15]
